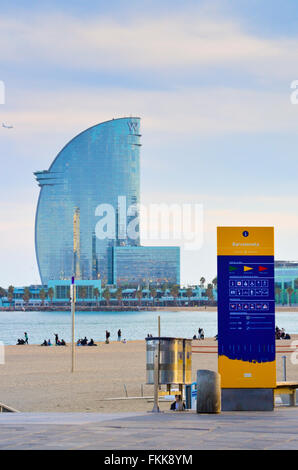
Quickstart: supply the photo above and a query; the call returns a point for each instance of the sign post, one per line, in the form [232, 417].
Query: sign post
[246, 317]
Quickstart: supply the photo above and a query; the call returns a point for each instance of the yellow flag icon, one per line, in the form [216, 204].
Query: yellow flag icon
[247, 268]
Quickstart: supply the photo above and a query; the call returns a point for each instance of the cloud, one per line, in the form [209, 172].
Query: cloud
[212, 111]
[191, 45]
[173, 41]
[17, 257]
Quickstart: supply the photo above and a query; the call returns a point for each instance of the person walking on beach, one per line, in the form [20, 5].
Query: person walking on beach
[56, 339]
[108, 334]
[119, 335]
[26, 337]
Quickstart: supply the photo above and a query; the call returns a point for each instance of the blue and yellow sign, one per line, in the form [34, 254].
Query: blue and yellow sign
[246, 307]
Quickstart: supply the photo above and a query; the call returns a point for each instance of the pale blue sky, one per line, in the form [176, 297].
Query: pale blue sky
[211, 82]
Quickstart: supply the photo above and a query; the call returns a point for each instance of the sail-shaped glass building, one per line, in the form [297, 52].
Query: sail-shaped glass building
[94, 169]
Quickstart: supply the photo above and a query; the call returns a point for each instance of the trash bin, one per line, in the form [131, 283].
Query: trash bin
[208, 392]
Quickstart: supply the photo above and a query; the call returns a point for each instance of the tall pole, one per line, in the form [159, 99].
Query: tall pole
[73, 300]
[156, 371]
[284, 358]
[156, 378]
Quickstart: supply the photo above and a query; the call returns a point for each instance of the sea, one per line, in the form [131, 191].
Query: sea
[134, 325]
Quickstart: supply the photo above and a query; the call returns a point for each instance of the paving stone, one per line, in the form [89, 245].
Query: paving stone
[277, 430]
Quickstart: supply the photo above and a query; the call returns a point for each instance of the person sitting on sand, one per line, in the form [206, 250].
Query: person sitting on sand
[62, 342]
[91, 342]
[178, 404]
[45, 343]
[84, 341]
[49, 342]
[20, 341]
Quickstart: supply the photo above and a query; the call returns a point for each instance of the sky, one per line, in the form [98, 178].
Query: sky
[211, 81]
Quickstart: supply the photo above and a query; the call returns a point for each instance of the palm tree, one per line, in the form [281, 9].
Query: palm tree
[164, 289]
[153, 294]
[119, 295]
[83, 292]
[139, 295]
[202, 281]
[209, 292]
[10, 294]
[278, 293]
[290, 291]
[96, 294]
[3, 292]
[51, 294]
[174, 293]
[107, 295]
[26, 295]
[189, 293]
[42, 295]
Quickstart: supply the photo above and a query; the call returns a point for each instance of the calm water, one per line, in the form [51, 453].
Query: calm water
[134, 325]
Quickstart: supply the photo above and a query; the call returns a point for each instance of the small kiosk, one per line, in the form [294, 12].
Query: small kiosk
[168, 363]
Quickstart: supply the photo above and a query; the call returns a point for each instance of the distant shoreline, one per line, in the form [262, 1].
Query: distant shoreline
[117, 308]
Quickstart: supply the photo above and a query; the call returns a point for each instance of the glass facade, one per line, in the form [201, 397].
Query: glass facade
[286, 277]
[96, 167]
[84, 289]
[286, 274]
[140, 265]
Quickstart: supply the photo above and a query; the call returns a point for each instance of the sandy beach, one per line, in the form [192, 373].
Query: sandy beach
[36, 378]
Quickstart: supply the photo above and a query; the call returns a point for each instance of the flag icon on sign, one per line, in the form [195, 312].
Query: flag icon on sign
[262, 268]
[247, 268]
[232, 268]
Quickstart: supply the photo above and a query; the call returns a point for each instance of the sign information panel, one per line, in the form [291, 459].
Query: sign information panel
[246, 307]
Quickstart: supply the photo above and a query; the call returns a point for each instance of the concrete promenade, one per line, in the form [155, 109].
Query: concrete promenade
[137, 431]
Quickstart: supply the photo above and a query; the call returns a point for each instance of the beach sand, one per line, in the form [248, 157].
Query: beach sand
[36, 378]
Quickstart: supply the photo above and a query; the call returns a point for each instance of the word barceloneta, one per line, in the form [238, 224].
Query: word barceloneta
[142, 458]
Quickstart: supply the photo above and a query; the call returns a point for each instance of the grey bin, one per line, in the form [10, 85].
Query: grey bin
[174, 362]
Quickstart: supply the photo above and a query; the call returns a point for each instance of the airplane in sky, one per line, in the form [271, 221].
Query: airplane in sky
[6, 127]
